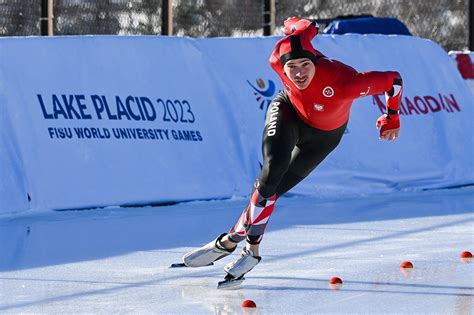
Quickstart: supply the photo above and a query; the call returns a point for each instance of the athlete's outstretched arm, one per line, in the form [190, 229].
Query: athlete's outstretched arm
[377, 82]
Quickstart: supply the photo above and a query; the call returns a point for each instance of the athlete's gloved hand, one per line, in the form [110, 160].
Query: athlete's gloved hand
[389, 126]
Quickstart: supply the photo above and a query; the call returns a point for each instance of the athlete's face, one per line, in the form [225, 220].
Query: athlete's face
[300, 71]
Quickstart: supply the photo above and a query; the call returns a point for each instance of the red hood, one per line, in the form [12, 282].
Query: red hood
[296, 44]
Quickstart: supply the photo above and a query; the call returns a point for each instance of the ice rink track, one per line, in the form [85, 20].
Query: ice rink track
[115, 260]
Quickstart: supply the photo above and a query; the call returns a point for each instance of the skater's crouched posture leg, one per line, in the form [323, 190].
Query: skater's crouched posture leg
[280, 136]
[279, 139]
[291, 151]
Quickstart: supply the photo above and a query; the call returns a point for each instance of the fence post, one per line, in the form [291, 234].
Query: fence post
[268, 17]
[46, 18]
[166, 17]
[471, 25]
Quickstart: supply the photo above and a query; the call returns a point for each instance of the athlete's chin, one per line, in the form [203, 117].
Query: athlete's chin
[302, 86]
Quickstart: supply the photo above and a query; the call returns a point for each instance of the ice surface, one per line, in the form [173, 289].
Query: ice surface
[116, 260]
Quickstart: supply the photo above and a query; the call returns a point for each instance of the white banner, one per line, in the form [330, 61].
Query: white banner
[13, 189]
[103, 120]
[116, 120]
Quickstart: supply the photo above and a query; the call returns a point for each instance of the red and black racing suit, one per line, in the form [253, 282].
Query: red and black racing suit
[303, 126]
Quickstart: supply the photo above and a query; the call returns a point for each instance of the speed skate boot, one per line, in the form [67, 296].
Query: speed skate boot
[238, 268]
[207, 254]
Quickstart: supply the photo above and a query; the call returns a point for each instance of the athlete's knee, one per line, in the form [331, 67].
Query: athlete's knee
[289, 181]
[271, 175]
[274, 167]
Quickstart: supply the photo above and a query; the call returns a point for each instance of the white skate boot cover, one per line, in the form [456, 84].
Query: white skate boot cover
[206, 254]
[244, 264]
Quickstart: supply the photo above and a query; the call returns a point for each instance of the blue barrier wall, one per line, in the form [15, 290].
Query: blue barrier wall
[102, 120]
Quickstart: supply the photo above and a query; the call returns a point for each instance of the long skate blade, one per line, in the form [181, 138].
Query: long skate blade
[181, 265]
[230, 283]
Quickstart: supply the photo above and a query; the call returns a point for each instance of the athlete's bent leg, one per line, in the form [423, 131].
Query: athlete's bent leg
[315, 146]
[280, 136]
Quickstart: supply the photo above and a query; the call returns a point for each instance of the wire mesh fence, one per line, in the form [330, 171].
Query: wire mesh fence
[445, 22]
[120, 17]
[19, 17]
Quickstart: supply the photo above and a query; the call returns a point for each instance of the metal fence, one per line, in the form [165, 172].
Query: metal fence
[444, 21]
[19, 17]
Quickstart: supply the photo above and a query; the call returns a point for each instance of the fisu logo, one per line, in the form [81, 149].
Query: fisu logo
[328, 91]
[264, 91]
